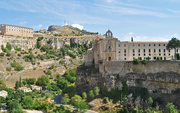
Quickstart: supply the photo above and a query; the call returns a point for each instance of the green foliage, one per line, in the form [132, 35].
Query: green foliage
[8, 68]
[96, 91]
[19, 54]
[164, 58]
[80, 104]
[150, 100]
[29, 81]
[40, 38]
[8, 54]
[19, 95]
[8, 46]
[178, 56]
[84, 95]
[65, 99]
[15, 64]
[62, 83]
[2, 85]
[43, 81]
[171, 108]
[48, 73]
[17, 85]
[30, 57]
[174, 43]
[3, 49]
[17, 48]
[18, 68]
[140, 58]
[91, 94]
[27, 102]
[148, 58]
[38, 44]
[144, 61]
[135, 61]
[14, 107]
[1, 54]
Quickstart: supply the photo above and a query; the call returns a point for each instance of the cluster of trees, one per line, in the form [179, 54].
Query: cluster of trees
[16, 66]
[174, 43]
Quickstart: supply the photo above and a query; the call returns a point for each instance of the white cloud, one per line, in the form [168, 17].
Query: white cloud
[78, 26]
[23, 23]
[110, 1]
[128, 36]
[37, 27]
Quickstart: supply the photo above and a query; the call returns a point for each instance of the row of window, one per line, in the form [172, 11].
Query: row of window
[150, 54]
[145, 55]
[144, 45]
[150, 50]
[144, 50]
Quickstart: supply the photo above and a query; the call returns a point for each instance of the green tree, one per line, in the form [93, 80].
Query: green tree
[2, 85]
[19, 95]
[17, 85]
[96, 90]
[91, 94]
[38, 44]
[8, 46]
[27, 102]
[43, 81]
[77, 102]
[174, 43]
[84, 95]
[150, 100]
[135, 61]
[14, 107]
[171, 108]
[65, 99]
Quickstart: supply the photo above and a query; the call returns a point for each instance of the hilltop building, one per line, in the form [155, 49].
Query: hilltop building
[12, 30]
[111, 49]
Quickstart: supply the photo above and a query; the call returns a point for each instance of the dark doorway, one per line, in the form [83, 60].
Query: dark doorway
[154, 58]
[109, 58]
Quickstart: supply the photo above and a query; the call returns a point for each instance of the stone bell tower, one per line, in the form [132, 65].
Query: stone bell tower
[109, 46]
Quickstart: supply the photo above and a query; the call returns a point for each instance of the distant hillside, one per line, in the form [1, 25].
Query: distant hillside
[69, 30]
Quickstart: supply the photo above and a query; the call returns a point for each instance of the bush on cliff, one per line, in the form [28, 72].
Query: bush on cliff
[144, 61]
[135, 61]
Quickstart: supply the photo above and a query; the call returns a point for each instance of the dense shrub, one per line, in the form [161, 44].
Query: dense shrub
[48, 73]
[164, 58]
[148, 58]
[8, 46]
[17, 48]
[140, 58]
[135, 61]
[17, 66]
[8, 68]
[1, 54]
[8, 54]
[144, 61]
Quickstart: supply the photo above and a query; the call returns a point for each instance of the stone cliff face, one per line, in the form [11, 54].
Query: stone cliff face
[157, 76]
[23, 42]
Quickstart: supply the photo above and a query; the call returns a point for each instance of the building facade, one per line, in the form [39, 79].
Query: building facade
[13, 30]
[111, 49]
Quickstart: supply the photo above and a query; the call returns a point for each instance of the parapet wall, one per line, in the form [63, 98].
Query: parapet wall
[124, 67]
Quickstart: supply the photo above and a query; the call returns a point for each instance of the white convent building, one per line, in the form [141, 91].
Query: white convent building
[111, 49]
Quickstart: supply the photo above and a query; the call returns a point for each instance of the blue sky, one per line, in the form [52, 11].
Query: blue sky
[145, 20]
